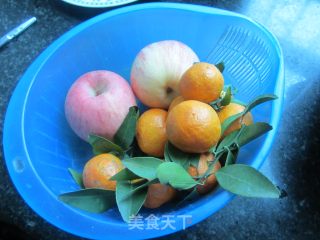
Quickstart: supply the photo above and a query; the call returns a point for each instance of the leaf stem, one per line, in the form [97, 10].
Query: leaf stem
[147, 183]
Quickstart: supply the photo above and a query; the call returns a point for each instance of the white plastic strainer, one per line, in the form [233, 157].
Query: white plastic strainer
[98, 3]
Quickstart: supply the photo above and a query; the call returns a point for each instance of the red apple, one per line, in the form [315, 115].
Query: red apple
[97, 103]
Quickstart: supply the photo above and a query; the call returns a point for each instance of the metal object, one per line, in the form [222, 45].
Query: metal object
[16, 31]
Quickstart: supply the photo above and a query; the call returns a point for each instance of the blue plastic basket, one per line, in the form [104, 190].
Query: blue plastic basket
[39, 146]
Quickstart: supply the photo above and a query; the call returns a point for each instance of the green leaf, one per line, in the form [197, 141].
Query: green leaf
[167, 157]
[144, 167]
[77, 177]
[230, 145]
[175, 175]
[227, 123]
[194, 161]
[124, 175]
[129, 201]
[220, 66]
[231, 156]
[190, 196]
[227, 141]
[252, 132]
[211, 165]
[258, 100]
[182, 158]
[213, 148]
[125, 134]
[134, 150]
[141, 184]
[90, 199]
[227, 97]
[244, 135]
[246, 181]
[261, 99]
[103, 145]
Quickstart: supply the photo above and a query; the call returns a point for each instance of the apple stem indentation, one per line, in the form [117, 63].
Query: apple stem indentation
[99, 90]
[169, 90]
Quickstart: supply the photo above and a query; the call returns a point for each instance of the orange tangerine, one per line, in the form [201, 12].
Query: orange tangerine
[159, 194]
[175, 102]
[151, 132]
[202, 81]
[210, 182]
[193, 126]
[99, 169]
[232, 109]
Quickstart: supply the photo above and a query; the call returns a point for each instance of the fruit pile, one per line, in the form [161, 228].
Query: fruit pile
[184, 145]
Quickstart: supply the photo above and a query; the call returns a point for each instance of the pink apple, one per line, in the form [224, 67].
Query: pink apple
[157, 69]
[97, 103]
